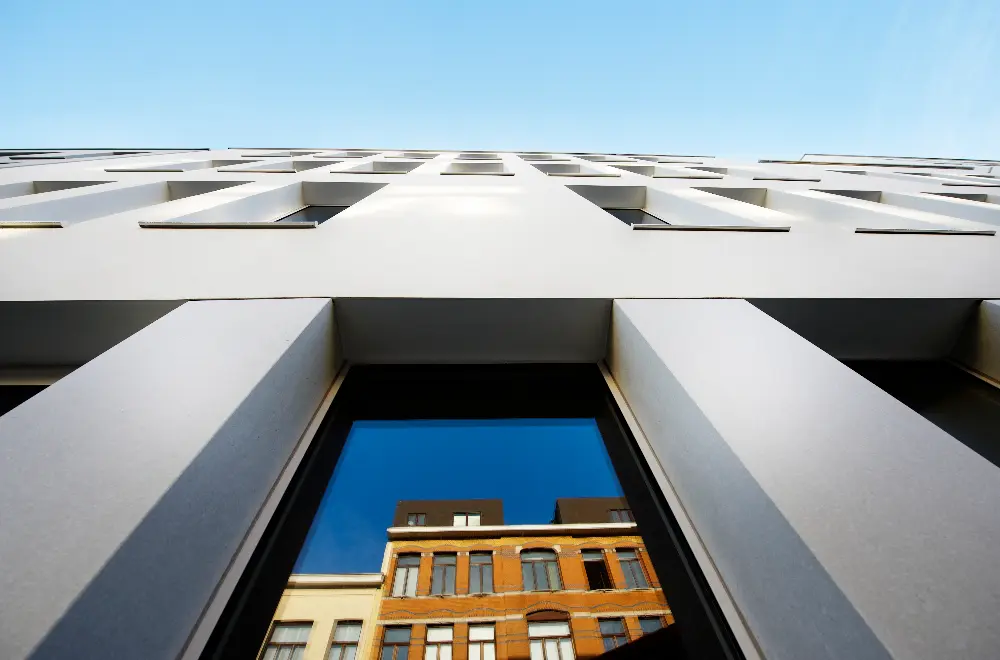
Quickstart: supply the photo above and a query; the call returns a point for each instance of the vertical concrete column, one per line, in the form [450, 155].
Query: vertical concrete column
[843, 524]
[127, 486]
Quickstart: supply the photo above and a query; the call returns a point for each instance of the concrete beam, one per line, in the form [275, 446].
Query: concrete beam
[127, 487]
[843, 524]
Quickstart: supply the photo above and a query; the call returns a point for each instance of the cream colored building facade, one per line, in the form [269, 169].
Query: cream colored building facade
[325, 600]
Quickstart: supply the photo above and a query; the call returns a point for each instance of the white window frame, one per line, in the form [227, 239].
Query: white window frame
[438, 642]
[467, 519]
[482, 641]
[404, 581]
[551, 640]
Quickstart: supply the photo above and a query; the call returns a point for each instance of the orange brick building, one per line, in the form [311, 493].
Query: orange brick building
[478, 589]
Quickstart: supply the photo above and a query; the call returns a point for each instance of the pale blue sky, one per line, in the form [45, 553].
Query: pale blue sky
[743, 79]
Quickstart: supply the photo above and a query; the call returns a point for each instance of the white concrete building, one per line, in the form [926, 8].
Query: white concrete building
[182, 361]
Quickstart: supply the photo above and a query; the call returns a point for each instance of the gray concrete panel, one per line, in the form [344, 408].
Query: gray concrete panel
[139, 473]
[843, 523]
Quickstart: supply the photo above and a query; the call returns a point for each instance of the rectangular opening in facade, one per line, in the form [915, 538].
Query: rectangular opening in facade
[183, 166]
[350, 154]
[489, 169]
[39, 187]
[571, 169]
[283, 167]
[478, 155]
[562, 558]
[384, 167]
[641, 207]
[416, 155]
[661, 172]
[184, 189]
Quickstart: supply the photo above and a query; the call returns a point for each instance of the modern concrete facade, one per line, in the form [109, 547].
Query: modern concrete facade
[189, 356]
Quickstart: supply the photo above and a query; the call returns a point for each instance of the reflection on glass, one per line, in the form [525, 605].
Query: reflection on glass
[453, 546]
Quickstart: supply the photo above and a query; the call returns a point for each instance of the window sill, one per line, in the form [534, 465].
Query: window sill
[750, 228]
[479, 173]
[30, 224]
[583, 174]
[945, 232]
[228, 225]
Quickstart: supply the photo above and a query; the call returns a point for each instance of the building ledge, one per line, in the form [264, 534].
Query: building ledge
[335, 581]
[495, 531]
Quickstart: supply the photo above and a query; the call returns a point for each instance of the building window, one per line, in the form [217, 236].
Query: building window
[613, 633]
[287, 642]
[650, 624]
[438, 644]
[467, 519]
[632, 568]
[480, 572]
[597, 570]
[416, 520]
[550, 641]
[540, 570]
[396, 643]
[345, 640]
[622, 516]
[443, 575]
[405, 582]
[482, 642]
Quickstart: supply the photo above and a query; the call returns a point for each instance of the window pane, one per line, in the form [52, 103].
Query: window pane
[350, 652]
[402, 652]
[541, 579]
[430, 652]
[297, 653]
[290, 633]
[270, 653]
[626, 554]
[551, 648]
[549, 629]
[650, 624]
[475, 652]
[538, 554]
[459, 520]
[411, 582]
[474, 520]
[387, 652]
[397, 634]
[612, 627]
[553, 570]
[592, 555]
[439, 633]
[487, 579]
[409, 560]
[489, 651]
[526, 573]
[445, 652]
[481, 557]
[399, 582]
[449, 580]
[347, 631]
[481, 633]
[565, 649]
[284, 653]
[536, 651]
[629, 577]
[614, 516]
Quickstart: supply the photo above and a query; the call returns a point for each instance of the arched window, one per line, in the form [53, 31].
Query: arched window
[540, 570]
